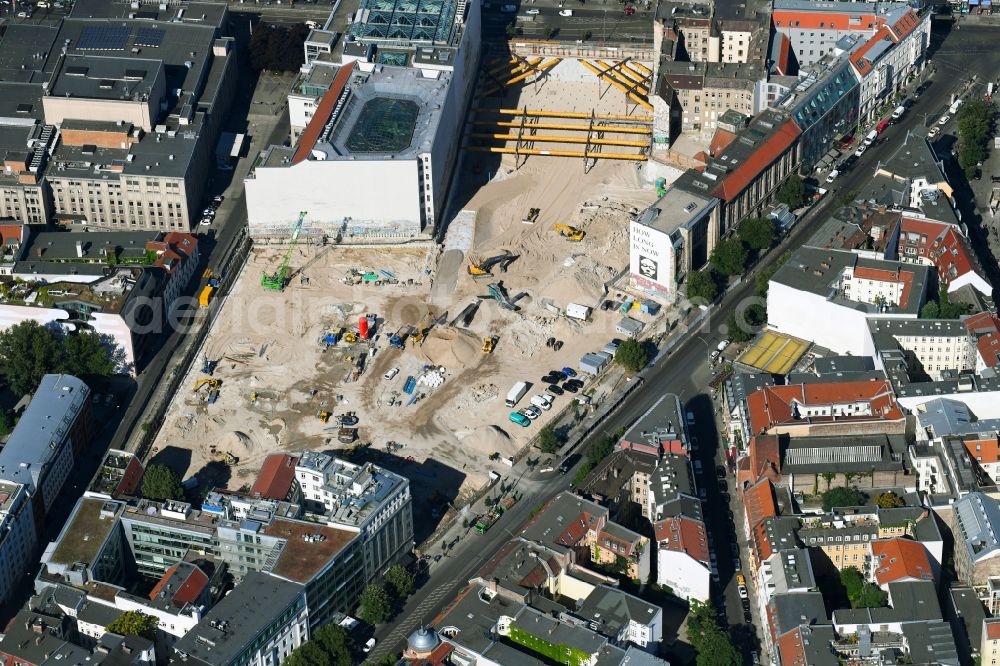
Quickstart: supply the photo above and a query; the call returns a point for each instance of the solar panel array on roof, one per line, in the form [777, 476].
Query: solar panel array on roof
[103, 38]
[149, 37]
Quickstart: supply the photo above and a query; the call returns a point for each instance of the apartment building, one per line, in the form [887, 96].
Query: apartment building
[989, 649]
[929, 347]
[333, 556]
[985, 328]
[683, 557]
[844, 546]
[18, 536]
[259, 623]
[814, 29]
[977, 550]
[700, 93]
[364, 498]
[890, 57]
[52, 433]
[117, 132]
[842, 286]
[943, 246]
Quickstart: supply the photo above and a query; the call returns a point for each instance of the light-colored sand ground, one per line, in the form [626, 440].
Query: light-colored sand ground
[268, 343]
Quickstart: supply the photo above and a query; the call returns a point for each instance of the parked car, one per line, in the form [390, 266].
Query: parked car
[569, 372]
[833, 176]
[520, 419]
[934, 132]
[944, 119]
[555, 390]
[570, 387]
[565, 12]
[629, 11]
[861, 150]
[532, 12]
[743, 592]
[369, 645]
[532, 412]
[391, 373]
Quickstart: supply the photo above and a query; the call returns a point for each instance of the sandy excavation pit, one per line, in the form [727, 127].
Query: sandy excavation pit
[268, 343]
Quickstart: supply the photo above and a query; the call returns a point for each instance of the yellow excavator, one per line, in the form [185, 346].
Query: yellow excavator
[210, 382]
[489, 344]
[570, 233]
[482, 268]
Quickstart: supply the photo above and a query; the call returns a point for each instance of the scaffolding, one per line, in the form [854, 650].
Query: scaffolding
[611, 73]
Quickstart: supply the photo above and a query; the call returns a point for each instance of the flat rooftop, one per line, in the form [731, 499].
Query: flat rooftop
[86, 531]
[676, 209]
[300, 559]
[390, 114]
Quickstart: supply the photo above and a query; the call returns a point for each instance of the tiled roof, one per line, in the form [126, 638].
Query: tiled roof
[992, 626]
[276, 477]
[766, 154]
[721, 139]
[765, 457]
[759, 503]
[777, 405]
[986, 327]
[681, 533]
[860, 58]
[190, 588]
[941, 243]
[310, 135]
[900, 559]
[906, 24]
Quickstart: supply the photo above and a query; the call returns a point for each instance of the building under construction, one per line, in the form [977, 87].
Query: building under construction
[376, 158]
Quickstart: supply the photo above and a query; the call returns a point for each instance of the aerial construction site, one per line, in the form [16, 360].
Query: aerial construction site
[405, 353]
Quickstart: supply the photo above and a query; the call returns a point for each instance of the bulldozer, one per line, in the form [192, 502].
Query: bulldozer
[226, 457]
[489, 343]
[483, 268]
[532, 216]
[570, 233]
[323, 415]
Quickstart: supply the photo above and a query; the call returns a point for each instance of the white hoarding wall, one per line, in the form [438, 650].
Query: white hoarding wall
[366, 196]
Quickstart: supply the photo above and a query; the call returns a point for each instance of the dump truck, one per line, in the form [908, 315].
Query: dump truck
[487, 521]
[347, 435]
[205, 297]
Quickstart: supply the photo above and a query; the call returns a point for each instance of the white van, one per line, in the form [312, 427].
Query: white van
[833, 176]
[870, 137]
[954, 107]
[898, 112]
[542, 401]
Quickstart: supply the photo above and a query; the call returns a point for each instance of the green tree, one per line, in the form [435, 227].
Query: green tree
[134, 623]
[757, 233]
[792, 193]
[400, 580]
[160, 482]
[763, 280]
[548, 441]
[85, 354]
[631, 355]
[931, 310]
[734, 330]
[375, 604]
[872, 596]
[729, 256]
[842, 496]
[853, 583]
[702, 285]
[6, 423]
[601, 448]
[741, 325]
[949, 310]
[29, 351]
[889, 500]
[717, 649]
[330, 645]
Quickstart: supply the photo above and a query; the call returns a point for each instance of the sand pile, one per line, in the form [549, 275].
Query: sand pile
[450, 347]
[581, 281]
[237, 443]
[488, 439]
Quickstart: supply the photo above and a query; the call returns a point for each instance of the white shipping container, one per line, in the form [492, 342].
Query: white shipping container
[577, 311]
